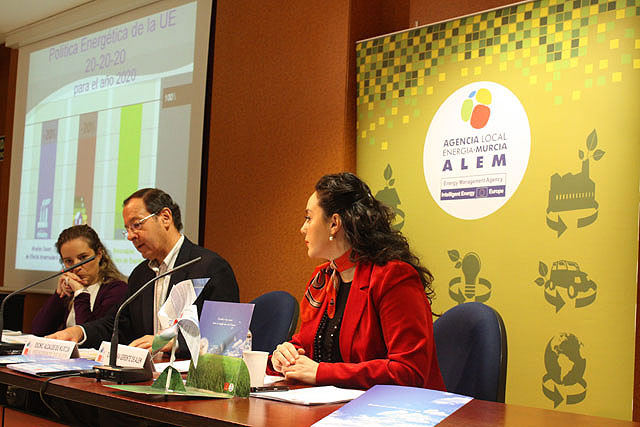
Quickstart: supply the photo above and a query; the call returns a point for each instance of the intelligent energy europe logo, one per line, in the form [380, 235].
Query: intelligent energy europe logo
[475, 109]
[476, 150]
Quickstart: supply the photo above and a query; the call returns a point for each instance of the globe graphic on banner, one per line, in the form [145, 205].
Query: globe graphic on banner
[563, 360]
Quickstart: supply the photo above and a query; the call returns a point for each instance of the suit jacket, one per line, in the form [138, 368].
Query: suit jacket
[53, 315]
[136, 319]
[386, 335]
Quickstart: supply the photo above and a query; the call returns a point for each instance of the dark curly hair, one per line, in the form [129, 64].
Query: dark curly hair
[367, 224]
[155, 200]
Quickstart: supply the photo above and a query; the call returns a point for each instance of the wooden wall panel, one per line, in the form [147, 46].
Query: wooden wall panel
[283, 114]
[277, 124]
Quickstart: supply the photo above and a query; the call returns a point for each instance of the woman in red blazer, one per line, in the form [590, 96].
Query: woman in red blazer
[366, 315]
[86, 293]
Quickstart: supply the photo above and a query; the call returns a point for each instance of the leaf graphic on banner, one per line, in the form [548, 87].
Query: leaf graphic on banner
[458, 264]
[539, 281]
[592, 140]
[543, 269]
[453, 255]
[581, 154]
[598, 155]
[388, 172]
[391, 182]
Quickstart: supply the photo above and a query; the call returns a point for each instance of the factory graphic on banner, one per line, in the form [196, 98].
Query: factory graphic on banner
[575, 193]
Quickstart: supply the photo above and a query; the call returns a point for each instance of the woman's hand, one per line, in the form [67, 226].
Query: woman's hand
[303, 370]
[61, 288]
[284, 356]
[68, 283]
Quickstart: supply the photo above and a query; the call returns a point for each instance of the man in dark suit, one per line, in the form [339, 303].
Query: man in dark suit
[153, 223]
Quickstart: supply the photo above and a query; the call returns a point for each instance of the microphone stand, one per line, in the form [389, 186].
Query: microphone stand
[124, 375]
[6, 348]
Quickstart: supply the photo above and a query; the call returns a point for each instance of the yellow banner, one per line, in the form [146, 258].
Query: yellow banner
[508, 144]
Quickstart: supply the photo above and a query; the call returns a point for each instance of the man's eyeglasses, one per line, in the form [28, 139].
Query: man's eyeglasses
[136, 226]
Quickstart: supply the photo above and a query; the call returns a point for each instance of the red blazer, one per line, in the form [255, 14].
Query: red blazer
[386, 336]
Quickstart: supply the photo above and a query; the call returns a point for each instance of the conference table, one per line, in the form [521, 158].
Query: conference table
[261, 412]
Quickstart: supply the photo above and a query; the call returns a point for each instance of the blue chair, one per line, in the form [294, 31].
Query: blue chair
[275, 317]
[471, 344]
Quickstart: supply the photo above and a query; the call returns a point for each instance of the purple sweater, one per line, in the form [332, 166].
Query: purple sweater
[52, 317]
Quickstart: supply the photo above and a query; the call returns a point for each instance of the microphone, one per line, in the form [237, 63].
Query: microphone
[6, 348]
[123, 375]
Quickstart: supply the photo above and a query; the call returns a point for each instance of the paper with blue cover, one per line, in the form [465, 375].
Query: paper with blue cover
[385, 405]
[47, 366]
[224, 327]
[22, 358]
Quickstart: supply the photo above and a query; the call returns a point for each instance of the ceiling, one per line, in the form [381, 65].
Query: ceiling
[15, 14]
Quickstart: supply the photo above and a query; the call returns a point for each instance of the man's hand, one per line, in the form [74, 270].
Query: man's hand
[143, 342]
[73, 333]
[147, 341]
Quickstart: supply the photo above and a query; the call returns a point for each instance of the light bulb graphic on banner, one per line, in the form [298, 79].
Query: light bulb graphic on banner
[474, 288]
[470, 269]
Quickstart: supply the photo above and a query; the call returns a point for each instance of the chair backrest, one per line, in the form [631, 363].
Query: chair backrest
[471, 344]
[274, 320]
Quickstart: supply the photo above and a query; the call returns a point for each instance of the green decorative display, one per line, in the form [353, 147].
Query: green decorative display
[222, 374]
[170, 379]
[216, 376]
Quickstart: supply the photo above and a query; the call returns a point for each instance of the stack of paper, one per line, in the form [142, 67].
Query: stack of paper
[46, 366]
[311, 395]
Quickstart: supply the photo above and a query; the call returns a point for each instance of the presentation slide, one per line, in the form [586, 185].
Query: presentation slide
[106, 114]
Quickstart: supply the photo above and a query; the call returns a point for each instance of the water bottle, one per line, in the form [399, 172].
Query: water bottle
[248, 341]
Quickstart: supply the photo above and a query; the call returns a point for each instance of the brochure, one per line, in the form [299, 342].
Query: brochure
[23, 358]
[385, 405]
[224, 327]
[47, 367]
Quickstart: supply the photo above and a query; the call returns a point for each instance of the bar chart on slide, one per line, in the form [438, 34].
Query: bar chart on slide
[102, 132]
[78, 168]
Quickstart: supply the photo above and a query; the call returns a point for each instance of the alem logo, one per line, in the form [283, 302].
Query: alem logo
[475, 108]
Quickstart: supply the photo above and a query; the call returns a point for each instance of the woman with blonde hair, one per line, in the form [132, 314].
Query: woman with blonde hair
[86, 293]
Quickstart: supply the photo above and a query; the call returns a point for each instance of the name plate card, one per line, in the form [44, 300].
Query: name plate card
[128, 357]
[37, 346]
